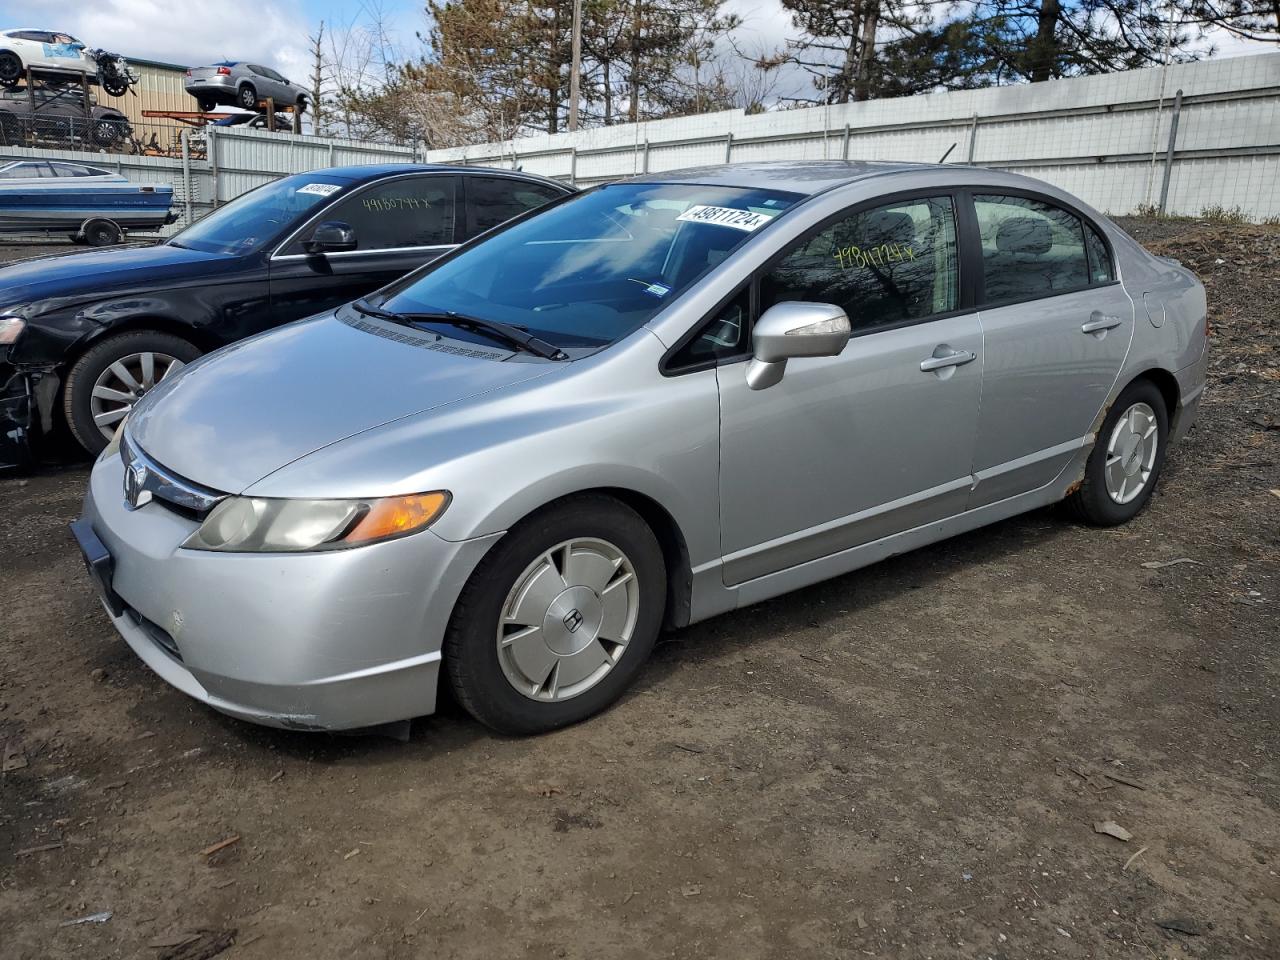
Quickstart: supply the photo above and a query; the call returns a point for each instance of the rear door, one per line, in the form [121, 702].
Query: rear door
[400, 223]
[1056, 326]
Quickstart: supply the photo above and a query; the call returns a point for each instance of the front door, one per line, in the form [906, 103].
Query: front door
[399, 224]
[1056, 326]
[848, 449]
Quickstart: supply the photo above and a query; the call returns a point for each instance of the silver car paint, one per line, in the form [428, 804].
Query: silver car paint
[526, 433]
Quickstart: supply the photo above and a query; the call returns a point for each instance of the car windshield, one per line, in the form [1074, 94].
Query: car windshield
[592, 269]
[254, 218]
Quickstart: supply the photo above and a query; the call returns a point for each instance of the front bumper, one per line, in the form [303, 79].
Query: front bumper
[314, 641]
[16, 409]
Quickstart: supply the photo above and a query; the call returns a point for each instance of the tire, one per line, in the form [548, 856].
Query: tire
[301, 106]
[106, 132]
[10, 69]
[206, 105]
[1134, 468]
[247, 97]
[484, 679]
[102, 233]
[77, 238]
[94, 364]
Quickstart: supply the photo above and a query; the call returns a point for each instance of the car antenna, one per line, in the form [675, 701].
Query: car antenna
[947, 154]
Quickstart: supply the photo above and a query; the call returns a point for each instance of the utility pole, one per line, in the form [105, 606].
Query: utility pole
[575, 65]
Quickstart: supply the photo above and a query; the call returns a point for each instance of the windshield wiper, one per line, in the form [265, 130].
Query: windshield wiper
[506, 332]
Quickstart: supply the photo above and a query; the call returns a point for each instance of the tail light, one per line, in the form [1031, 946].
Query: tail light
[224, 71]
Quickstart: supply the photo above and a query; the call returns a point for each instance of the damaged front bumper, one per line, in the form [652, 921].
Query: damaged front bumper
[17, 416]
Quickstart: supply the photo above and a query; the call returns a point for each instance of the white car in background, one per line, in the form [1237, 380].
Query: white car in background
[46, 50]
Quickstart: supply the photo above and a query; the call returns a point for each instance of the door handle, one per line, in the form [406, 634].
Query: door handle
[956, 358]
[1100, 323]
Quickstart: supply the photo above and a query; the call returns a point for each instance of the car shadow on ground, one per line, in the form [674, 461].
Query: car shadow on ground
[808, 610]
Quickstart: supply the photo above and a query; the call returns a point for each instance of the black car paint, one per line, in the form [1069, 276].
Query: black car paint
[210, 299]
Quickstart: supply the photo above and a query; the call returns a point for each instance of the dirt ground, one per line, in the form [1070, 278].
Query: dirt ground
[904, 762]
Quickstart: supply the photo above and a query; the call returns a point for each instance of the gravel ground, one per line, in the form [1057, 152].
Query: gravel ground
[904, 762]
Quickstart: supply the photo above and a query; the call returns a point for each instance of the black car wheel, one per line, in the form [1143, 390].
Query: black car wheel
[247, 97]
[207, 105]
[301, 105]
[111, 376]
[101, 233]
[106, 132]
[10, 69]
[558, 618]
[115, 86]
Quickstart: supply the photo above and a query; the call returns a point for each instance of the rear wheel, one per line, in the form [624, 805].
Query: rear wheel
[10, 69]
[207, 105]
[113, 375]
[559, 618]
[1126, 460]
[301, 105]
[102, 233]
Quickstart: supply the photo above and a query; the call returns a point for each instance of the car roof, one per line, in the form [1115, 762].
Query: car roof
[361, 173]
[807, 177]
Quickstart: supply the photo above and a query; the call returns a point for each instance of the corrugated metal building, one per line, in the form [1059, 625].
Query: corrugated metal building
[159, 87]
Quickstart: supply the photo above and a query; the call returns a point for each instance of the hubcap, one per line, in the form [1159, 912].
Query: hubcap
[124, 383]
[567, 620]
[1131, 453]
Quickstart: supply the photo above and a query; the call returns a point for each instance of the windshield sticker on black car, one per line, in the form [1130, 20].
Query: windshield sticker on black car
[657, 289]
[320, 189]
[726, 217]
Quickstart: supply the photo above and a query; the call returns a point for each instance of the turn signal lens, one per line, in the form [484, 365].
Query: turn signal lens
[262, 525]
[396, 516]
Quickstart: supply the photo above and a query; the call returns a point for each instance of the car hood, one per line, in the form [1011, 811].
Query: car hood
[241, 413]
[101, 271]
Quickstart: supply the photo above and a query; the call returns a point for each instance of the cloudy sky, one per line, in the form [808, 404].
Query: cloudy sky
[275, 31]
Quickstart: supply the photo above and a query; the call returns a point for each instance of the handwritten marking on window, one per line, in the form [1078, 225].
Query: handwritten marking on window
[878, 256]
[388, 204]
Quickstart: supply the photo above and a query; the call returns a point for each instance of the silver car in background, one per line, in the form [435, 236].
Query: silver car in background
[237, 83]
[644, 405]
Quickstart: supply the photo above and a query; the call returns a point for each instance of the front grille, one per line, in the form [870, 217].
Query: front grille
[147, 479]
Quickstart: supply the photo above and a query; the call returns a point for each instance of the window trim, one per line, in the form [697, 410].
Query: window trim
[346, 194]
[965, 282]
[975, 244]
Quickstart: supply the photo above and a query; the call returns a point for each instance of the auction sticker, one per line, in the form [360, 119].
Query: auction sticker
[726, 217]
[320, 189]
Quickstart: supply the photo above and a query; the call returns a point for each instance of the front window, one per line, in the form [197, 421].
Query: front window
[598, 266]
[255, 218]
[888, 265]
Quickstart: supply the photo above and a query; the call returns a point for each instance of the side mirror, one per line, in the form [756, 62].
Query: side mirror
[794, 329]
[331, 236]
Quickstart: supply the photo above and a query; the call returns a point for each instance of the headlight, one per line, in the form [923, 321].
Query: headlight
[10, 328]
[261, 525]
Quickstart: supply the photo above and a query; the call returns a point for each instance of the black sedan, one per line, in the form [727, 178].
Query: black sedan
[82, 337]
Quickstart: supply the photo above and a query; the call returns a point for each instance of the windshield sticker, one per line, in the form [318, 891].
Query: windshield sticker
[884, 254]
[657, 289]
[320, 189]
[726, 217]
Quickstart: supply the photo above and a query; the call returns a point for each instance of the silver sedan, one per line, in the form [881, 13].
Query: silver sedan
[645, 405]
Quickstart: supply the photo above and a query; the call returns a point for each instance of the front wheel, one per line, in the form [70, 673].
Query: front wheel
[10, 69]
[559, 618]
[113, 375]
[248, 97]
[1126, 460]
